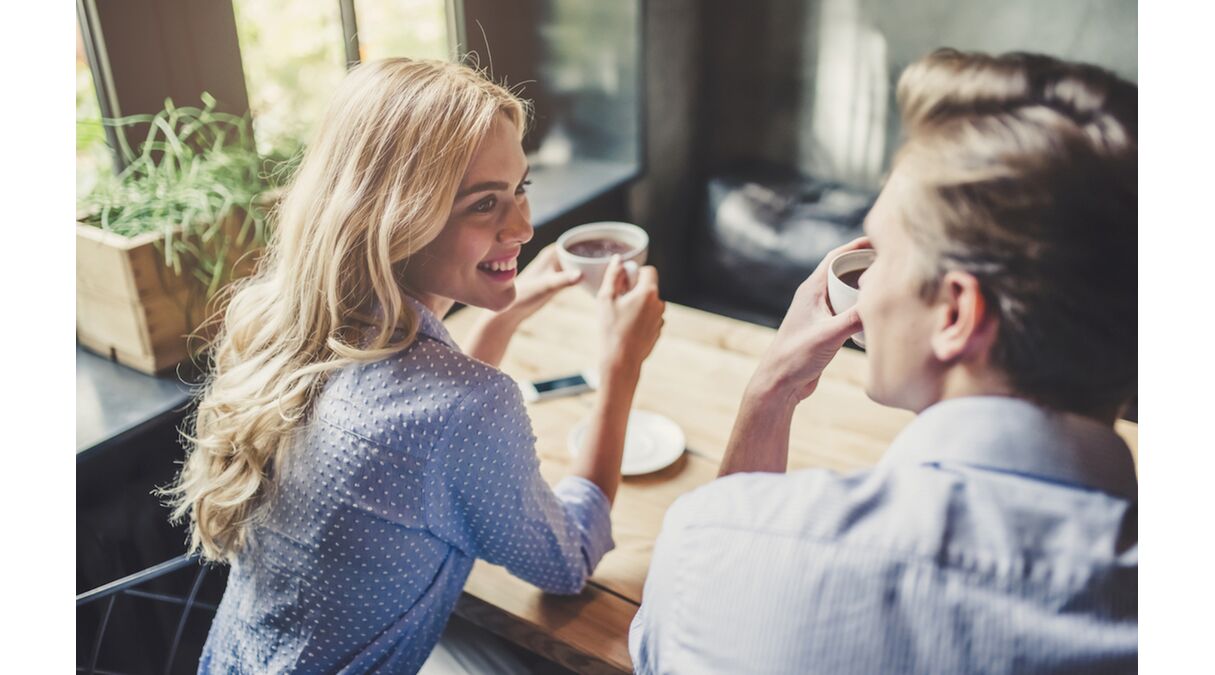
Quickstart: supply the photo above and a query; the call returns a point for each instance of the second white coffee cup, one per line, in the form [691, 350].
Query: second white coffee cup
[841, 294]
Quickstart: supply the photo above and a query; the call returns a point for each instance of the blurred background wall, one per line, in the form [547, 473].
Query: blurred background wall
[812, 83]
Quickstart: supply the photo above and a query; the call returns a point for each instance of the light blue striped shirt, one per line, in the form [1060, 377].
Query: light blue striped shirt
[410, 469]
[993, 537]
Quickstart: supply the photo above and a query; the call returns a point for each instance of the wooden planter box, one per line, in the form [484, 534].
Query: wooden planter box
[131, 308]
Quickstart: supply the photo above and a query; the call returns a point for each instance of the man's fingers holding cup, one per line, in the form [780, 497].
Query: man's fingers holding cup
[854, 245]
[842, 325]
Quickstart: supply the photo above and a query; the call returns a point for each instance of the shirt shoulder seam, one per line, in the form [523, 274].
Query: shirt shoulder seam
[351, 432]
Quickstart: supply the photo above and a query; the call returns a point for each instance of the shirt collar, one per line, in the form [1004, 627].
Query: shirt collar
[1012, 435]
[429, 324]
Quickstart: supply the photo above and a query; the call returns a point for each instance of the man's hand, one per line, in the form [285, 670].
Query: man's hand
[789, 371]
[809, 336]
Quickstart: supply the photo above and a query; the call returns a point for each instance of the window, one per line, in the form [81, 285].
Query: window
[293, 59]
[588, 75]
[294, 55]
[579, 61]
[414, 28]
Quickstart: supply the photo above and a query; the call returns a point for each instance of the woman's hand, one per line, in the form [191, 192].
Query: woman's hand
[631, 318]
[809, 336]
[538, 283]
[534, 287]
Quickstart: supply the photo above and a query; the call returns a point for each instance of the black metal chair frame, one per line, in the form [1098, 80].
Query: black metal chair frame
[110, 592]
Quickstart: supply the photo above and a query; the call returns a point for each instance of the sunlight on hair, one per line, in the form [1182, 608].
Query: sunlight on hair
[375, 186]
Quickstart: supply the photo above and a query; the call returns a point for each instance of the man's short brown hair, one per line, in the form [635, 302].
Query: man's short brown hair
[1023, 172]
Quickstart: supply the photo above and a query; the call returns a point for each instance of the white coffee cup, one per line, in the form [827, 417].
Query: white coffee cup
[841, 295]
[633, 242]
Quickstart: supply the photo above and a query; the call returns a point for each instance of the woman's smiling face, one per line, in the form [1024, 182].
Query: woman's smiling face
[474, 259]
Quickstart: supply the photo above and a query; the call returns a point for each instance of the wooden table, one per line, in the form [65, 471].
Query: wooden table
[695, 377]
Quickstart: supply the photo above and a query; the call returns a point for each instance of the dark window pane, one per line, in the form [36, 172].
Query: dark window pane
[588, 81]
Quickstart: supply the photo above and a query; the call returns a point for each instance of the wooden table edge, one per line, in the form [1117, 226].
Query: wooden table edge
[520, 631]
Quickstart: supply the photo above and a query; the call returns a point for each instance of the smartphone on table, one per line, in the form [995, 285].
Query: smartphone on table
[566, 385]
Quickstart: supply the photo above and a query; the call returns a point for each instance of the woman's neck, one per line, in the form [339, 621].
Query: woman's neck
[437, 304]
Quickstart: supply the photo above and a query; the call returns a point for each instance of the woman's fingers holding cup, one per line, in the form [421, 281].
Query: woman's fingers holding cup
[610, 286]
[630, 272]
[633, 317]
[547, 259]
[645, 280]
[557, 280]
[649, 319]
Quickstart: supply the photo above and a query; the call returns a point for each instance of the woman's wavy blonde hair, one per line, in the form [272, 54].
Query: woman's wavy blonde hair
[375, 186]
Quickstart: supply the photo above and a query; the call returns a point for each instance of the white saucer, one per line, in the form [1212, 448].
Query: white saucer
[652, 442]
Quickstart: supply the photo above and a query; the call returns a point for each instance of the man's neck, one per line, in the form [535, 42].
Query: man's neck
[961, 382]
[964, 380]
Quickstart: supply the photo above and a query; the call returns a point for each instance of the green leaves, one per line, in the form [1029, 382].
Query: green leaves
[195, 173]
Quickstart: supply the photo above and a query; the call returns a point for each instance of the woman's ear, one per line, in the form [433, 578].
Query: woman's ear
[966, 328]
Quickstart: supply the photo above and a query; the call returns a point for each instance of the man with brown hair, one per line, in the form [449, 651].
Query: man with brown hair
[999, 532]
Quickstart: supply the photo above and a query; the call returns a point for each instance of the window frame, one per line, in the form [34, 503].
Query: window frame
[350, 33]
[569, 187]
[103, 81]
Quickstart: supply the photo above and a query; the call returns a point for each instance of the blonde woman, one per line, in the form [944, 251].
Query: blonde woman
[349, 461]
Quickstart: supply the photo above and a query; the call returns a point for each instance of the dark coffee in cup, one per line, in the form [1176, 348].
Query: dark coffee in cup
[589, 248]
[598, 248]
[853, 278]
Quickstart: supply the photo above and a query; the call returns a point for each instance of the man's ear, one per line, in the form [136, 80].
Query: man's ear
[965, 328]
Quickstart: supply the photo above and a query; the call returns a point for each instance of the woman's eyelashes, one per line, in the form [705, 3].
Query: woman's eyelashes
[485, 205]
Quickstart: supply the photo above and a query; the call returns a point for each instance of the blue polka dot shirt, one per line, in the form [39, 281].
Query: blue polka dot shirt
[408, 470]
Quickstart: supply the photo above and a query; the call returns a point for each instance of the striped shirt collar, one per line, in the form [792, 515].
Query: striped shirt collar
[1007, 434]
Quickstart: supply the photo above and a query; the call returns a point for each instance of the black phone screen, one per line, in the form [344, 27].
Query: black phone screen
[545, 386]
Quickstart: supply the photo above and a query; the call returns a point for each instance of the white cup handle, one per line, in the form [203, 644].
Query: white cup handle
[631, 269]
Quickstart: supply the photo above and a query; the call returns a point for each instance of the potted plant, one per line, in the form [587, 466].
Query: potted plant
[157, 243]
